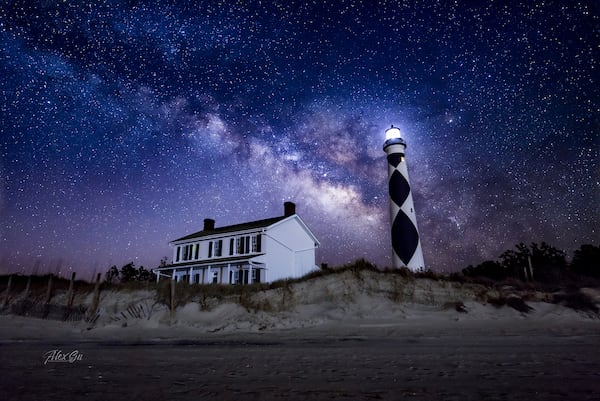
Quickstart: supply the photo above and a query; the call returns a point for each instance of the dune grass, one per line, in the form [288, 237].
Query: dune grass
[402, 289]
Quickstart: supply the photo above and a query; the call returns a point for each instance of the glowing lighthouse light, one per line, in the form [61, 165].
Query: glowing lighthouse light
[392, 133]
[406, 243]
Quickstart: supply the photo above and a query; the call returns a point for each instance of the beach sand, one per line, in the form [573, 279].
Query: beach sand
[333, 340]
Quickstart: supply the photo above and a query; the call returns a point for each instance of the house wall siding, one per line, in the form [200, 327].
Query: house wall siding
[278, 260]
[291, 251]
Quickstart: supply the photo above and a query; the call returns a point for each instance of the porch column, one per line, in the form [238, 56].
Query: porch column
[229, 273]
[250, 281]
[209, 274]
[191, 278]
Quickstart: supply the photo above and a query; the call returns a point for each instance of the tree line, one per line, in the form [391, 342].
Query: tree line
[129, 273]
[535, 262]
[539, 262]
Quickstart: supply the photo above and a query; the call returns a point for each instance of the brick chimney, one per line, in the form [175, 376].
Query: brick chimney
[289, 209]
[209, 224]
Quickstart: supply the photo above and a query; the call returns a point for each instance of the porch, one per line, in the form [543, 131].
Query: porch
[231, 272]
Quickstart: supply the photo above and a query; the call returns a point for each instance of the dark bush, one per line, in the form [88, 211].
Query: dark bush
[430, 274]
[514, 302]
[586, 261]
[489, 269]
[575, 300]
[402, 272]
[546, 260]
[457, 306]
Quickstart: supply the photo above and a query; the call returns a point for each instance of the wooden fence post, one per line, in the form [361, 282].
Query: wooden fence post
[27, 288]
[70, 293]
[530, 268]
[47, 307]
[172, 298]
[49, 290]
[95, 299]
[6, 297]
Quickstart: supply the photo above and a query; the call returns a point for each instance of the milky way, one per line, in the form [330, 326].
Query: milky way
[123, 126]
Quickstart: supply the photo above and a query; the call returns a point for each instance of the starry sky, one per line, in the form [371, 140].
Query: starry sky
[124, 124]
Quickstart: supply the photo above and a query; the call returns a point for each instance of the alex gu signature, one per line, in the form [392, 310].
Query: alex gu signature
[57, 355]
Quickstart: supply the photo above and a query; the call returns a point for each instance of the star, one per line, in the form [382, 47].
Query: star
[124, 125]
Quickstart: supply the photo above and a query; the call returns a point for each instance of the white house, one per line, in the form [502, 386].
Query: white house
[255, 252]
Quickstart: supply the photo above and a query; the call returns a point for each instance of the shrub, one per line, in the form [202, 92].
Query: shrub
[457, 306]
[575, 300]
[430, 274]
[402, 272]
[512, 301]
[586, 260]
[489, 269]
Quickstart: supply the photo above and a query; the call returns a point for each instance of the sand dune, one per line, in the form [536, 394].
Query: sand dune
[351, 301]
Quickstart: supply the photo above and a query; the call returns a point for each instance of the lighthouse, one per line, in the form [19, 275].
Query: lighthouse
[406, 244]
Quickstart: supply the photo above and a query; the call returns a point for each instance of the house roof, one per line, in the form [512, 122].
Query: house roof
[236, 227]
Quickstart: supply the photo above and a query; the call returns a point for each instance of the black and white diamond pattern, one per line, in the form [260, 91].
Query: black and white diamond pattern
[405, 236]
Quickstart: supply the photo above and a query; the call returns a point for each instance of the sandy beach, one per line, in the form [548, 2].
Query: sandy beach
[336, 338]
[433, 359]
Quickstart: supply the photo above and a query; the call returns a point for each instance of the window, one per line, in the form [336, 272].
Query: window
[256, 245]
[215, 248]
[219, 248]
[196, 254]
[215, 279]
[242, 245]
[187, 252]
[240, 277]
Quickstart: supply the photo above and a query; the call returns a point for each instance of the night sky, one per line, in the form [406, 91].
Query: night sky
[124, 124]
